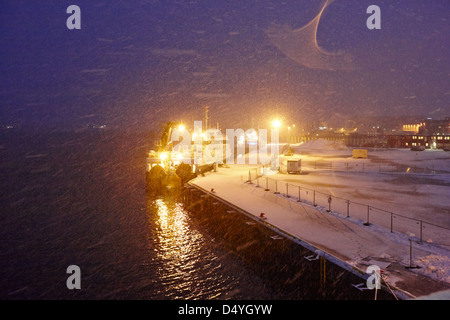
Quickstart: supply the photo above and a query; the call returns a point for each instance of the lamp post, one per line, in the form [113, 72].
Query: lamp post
[277, 124]
[289, 136]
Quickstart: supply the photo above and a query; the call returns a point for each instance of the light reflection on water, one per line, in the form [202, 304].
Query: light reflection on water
[187, 267]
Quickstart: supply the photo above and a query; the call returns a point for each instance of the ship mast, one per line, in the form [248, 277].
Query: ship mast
[206, 117]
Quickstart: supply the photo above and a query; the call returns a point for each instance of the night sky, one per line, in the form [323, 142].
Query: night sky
[139, 63]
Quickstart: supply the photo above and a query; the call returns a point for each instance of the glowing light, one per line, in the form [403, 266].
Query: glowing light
[163, 156]
[181, 127]
[276, 124]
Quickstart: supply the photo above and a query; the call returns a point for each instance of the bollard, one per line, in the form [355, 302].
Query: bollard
[267, 184]
[287, 190]
[314, 199]
[329, 204]
[299, 195]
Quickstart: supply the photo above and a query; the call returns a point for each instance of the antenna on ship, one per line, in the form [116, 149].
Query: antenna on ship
[206, 117]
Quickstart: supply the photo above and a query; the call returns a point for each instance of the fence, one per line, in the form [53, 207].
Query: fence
[366, 214]
[373, 166]
[357, 166]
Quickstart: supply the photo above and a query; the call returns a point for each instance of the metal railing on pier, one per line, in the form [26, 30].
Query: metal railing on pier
[417, 229]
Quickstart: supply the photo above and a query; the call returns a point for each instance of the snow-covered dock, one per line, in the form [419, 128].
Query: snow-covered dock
[346, 239]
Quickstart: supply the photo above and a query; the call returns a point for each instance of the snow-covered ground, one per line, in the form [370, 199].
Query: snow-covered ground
[412, 184]
[392, 187]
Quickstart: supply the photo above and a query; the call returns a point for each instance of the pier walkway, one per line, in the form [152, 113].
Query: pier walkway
[351, 244]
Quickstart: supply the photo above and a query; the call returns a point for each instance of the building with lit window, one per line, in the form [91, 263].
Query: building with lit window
[430, 134]
[425, 134]
[414, 128]
[435, 127]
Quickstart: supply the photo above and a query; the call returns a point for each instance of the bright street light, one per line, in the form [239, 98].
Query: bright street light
[276, 124]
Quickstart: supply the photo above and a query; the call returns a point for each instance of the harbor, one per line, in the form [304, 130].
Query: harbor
[200, 152]
[410, 263]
